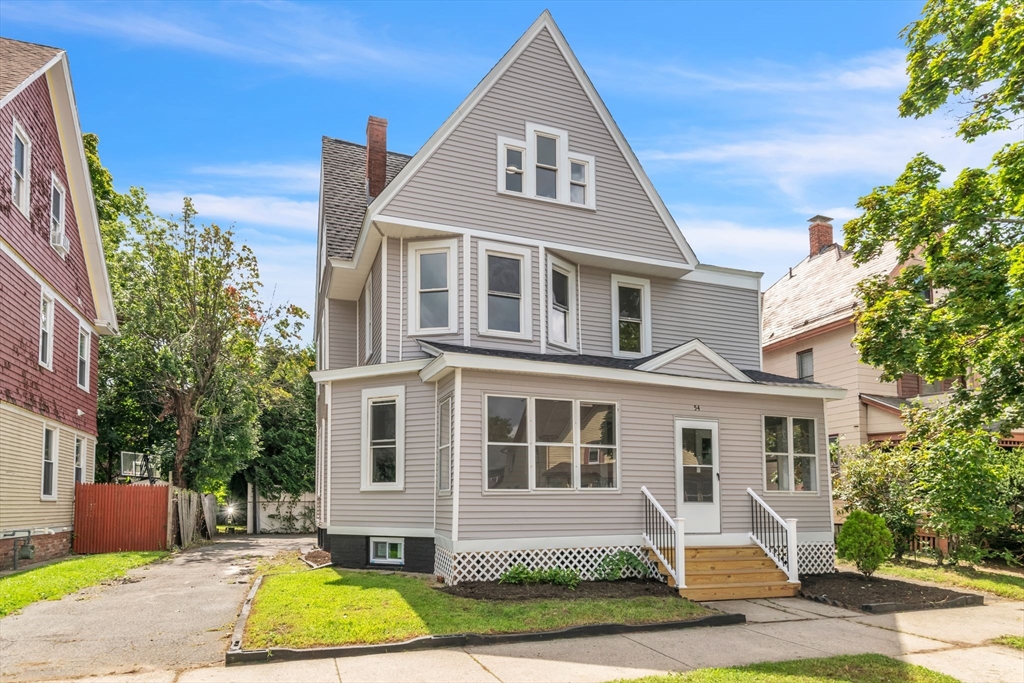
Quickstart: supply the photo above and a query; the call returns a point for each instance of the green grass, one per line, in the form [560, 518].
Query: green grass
[54, 581]
[848, 668]
[1005, 585]
[1011, 641]
[328, 606]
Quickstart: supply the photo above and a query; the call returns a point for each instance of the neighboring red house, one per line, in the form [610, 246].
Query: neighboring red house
[55, 301]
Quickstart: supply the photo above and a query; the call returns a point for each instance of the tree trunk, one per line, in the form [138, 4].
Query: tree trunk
[186, 430]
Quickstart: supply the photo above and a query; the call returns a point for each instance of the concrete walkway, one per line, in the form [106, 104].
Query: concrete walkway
[951, 641]
[173, 615]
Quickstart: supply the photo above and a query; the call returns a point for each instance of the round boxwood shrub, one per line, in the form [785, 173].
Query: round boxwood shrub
[865, 540]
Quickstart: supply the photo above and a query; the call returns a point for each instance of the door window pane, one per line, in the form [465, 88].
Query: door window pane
[698, 465]
[776, 435]
[698, 447]
[803, 435]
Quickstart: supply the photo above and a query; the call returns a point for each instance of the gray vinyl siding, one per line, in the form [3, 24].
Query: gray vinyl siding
[376, 333]
[411, 508]
[694, 365]
[724, 318]
[646, 459]
[398, 305]
[457, 185]
[443, 514]
[341, 323]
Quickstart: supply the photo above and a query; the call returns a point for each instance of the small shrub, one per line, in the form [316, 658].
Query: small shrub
[518, 575]
[865, 540]
[615, 566]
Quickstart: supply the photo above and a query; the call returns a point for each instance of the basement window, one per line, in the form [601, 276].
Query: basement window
[387, 550]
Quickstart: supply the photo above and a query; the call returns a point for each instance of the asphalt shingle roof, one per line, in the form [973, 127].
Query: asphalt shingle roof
[607, 362]
[818, 291]
[344, 192]
[19, 60]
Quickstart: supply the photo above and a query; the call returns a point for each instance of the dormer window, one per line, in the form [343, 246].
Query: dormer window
[543, 167]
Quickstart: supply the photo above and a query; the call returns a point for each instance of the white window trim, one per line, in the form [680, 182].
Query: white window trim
[46, 296]
[523, 254]
[23, 203]
[368, 318]
[565, 156]
[87, 357]
[764, 457]
[56, 463]
[531, 447]
[566, 268]
[382, 539]
[397, 393]
[645, 327]
[79, 458]
[414, 248]
[55, 184]
[446, 488]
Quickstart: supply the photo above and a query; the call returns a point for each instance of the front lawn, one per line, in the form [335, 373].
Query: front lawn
[1004, 584]
[1011, 641]
[54, 581]
[845, 668]
[327, 607]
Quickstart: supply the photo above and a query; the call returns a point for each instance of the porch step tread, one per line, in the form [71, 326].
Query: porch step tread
[739, 591]
[731, 564]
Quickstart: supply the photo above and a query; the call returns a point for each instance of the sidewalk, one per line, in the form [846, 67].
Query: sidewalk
[950, 641]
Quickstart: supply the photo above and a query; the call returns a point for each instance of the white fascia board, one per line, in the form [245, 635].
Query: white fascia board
[366, 371]
[544, 21]
[728, 277]
[450, 360]
[695, 346]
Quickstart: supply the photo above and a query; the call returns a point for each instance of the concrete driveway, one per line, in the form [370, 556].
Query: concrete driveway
[172, 615]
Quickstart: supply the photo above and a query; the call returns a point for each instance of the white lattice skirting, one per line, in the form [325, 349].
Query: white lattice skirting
[816, 558]
[488, 565]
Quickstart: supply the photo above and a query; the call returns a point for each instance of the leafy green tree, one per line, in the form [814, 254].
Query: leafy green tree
[967, 238]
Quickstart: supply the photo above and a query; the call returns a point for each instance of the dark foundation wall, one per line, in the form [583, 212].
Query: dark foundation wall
[354, 552]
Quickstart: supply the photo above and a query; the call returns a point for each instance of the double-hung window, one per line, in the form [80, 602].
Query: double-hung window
[791, 455]
[46, 331]
[805, 364]
[383, 447]
[20, 169]
[548, 444]
[631, 316]
[561, 303]
[444, 444]
[84, 342]
[433, 287]
[505, 308]
[48, 487]
[79, 460]
[58, 236]
[543, 167]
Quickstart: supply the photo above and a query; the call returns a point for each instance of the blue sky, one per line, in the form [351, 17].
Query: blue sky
[749, 117]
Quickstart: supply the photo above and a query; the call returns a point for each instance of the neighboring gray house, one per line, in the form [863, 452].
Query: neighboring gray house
[522, 360]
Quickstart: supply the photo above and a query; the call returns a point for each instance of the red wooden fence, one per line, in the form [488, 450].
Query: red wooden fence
[115, 517]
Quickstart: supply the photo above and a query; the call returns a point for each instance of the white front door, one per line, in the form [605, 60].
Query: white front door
[697, 480]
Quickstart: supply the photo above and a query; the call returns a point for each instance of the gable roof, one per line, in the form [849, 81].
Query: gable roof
[819, 291]
[544, 22]
[53, 64]
[343, 170]
[19, 61]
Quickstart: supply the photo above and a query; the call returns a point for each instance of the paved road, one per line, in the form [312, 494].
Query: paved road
[172, 615]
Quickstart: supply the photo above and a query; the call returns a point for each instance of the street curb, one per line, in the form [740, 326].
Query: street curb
[243, 617]
[236, 655]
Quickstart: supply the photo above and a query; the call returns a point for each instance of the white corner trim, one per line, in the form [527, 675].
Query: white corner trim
[446, 361]
[645, 325]
[366, 371]
[384, 270]
[698, 347]
[457, 447]
[466, 256]
[542, 294]
[523, 254]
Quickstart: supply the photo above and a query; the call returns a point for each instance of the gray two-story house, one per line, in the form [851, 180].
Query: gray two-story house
[521, 359]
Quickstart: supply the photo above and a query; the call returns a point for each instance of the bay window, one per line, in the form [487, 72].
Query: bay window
[547, 444]
[505, 308]
[790, 453]
[561, 303]
[631, 316]
[433, 287]
[383, 438]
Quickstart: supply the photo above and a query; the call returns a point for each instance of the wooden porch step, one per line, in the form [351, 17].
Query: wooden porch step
[723, 552]
[739, 591]
[762, 562]
[711, 578]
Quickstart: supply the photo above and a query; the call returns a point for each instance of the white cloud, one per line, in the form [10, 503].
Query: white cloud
[713, 236]
[302, 178]
[244, 210]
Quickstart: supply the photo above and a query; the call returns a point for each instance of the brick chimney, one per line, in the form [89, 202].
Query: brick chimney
[821, 234]
[376, 155]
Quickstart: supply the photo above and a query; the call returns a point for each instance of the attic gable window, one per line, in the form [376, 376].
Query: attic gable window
[543, 167]
[58, 236]
[20, 165]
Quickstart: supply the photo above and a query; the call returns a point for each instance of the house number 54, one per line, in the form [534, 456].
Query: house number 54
[696, 407]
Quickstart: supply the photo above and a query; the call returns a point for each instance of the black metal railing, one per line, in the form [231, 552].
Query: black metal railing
[660, 532]
[769, 531]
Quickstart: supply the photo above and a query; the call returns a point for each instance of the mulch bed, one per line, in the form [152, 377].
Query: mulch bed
[317, 557]
[624, 588]
[875, 594]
